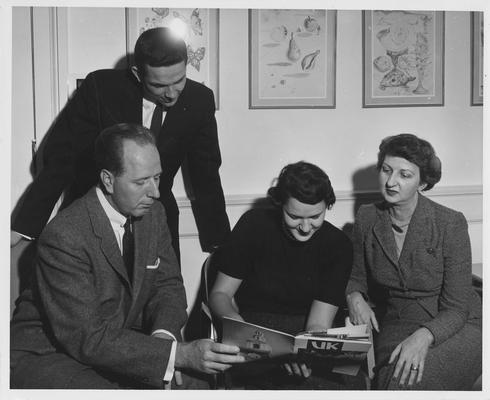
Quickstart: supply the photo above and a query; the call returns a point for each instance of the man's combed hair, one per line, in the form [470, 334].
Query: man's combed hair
[303, 181]
[418, 151]
[109, 145]
[159, 47]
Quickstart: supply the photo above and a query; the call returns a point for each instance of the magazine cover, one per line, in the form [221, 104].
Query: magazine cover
[259, 342]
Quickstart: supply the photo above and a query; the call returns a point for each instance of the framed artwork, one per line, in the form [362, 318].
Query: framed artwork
[198, 27]
[292, 58]
[476, 58]
[403, 58]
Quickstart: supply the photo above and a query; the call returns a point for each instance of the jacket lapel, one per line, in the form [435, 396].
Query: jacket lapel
[142, 229]
[103, 230]
[177, 109]
[419, 231]
[384, 235]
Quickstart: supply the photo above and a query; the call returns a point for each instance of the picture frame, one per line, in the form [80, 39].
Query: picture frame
[477, 58]
[403, 58]
[199, 28]
[292, 58]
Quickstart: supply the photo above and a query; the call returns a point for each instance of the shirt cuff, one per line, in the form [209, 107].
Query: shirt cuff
[24, 236]
[169, 372]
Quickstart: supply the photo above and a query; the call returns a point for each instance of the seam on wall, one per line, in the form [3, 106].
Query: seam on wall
[345, 195]
[246, 200]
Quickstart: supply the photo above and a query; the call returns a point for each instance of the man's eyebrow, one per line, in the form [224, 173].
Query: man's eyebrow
[147, 177]
[167, 84]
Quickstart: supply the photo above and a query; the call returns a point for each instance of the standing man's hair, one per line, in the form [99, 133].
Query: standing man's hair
[159, 47]
[109, 145]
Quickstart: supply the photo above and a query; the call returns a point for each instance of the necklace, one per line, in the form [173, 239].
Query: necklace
[399, 225]
[399, 228]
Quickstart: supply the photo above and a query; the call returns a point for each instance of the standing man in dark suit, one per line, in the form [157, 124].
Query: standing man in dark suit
[107, 303]
[154, 90]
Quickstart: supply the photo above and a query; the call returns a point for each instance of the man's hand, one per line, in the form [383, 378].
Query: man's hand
[178, 378]
[206, 356]
[15, 238]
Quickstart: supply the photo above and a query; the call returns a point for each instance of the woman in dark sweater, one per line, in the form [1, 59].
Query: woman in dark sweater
[286, 268]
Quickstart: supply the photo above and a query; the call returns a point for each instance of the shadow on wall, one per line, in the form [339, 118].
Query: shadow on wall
[21, 260]
[37, 162]
[363, 182]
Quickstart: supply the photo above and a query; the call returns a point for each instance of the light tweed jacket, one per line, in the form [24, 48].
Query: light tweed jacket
[434, 268]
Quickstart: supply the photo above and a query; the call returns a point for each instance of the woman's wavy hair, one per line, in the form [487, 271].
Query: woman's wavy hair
[418, 151]
[305, 182]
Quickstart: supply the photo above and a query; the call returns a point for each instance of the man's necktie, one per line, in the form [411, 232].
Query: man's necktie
[128, 248]
[156, 120]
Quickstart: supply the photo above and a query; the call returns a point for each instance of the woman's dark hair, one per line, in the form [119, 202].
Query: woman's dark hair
[109, 145]
[418, 151]
[158, 47]
[305, 182]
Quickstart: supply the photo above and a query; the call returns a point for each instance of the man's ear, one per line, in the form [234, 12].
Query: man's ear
[134, 70]
[107, 179]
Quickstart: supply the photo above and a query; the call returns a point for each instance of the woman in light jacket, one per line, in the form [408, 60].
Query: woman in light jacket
[412, 260]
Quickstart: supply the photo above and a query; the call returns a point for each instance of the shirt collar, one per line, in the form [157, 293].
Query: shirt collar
[148, 105]
[114, 216]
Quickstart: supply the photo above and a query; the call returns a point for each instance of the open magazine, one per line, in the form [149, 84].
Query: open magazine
[258, 342]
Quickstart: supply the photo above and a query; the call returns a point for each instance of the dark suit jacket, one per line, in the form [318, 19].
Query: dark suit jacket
[105, 98]
[434, 268]
[82, 303]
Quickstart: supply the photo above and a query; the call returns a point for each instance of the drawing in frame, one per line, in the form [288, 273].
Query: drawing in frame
[292, 58]
[403, 58]
[199, 28]
[477, 58]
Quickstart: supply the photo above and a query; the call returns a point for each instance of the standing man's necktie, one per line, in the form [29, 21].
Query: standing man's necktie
[156, 120]
[128, 248]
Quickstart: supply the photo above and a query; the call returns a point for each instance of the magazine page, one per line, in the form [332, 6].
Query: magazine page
[256, 342]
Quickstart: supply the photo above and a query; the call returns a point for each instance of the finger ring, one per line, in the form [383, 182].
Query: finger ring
[414, 368]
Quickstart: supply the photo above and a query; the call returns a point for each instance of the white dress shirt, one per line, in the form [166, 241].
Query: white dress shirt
[148, 109]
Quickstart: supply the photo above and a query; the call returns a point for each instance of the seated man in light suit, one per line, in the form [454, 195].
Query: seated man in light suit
[107, 303]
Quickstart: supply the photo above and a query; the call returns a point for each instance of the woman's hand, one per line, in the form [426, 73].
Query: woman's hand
[360, 312]
[298, 369]
[411, 356]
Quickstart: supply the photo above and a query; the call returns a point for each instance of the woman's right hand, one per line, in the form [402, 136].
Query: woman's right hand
[360, 312]
[299, 369]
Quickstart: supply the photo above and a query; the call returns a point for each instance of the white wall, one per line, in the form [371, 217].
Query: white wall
[22, 102]
[256, 144]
